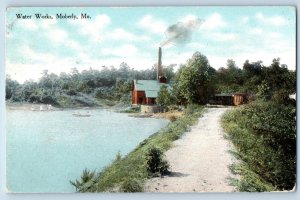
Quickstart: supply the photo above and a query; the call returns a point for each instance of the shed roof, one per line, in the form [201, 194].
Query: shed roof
[223, 95]
[231, 94]
[151, 87]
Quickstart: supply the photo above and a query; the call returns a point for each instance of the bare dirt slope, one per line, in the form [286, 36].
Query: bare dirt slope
[199, 160]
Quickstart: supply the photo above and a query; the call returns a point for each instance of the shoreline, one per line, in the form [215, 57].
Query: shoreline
[128, 173]
[170, 115]
[28, 107]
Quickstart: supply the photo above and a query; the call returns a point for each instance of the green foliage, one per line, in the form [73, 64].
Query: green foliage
[229, 79]
[250, 181]
[196, 80]
[156, 164]
[132, 185]
[168, 71]
[264, 134]
[263, 91]
[118, 157]
[84, 184]
[128, 174]
[12, 89]
[165, 97]
[78, 89]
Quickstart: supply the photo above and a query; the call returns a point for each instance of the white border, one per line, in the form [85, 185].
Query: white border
[7, 3]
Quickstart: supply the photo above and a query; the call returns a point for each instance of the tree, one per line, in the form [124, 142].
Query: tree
[168, 71]
[254, 74]
[165, 98]
[230, 79]
[278, 76]
[196, 80]
[11, 87]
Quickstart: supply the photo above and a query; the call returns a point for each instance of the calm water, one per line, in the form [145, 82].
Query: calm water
[47, 149]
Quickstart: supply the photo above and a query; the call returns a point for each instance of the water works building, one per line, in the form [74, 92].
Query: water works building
[145, 92]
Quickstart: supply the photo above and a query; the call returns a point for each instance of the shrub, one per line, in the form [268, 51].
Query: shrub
[85, 182]
[34, 99]
[71, 92]
[156, 164]
[264, 134]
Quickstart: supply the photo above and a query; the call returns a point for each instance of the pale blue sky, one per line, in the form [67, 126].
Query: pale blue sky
[132, 35]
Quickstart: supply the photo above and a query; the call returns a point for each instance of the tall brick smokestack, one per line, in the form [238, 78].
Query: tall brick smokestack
[159, 68]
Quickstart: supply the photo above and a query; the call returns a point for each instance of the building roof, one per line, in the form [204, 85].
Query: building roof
[230, 94]
[151, 87]
[223, 95]
[151, 93]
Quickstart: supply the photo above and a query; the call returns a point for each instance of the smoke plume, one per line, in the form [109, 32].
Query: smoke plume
[181, 32]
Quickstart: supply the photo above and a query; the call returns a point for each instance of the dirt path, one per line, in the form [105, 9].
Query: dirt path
[199, 160]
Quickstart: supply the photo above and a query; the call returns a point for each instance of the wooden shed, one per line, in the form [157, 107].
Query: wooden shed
[222, 99]
[240, 98]
[232, 99]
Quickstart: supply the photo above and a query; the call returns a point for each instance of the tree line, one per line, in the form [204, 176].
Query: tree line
[87, 88]
[195, 82]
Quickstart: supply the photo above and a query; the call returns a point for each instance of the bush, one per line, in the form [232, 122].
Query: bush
[34, 99]
[71, 92]
[264, 134]
[86, 181]
[156, 164]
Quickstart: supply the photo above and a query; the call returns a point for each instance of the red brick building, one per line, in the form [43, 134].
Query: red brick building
[146, 91]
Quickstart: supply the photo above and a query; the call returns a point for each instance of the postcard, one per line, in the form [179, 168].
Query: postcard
[150, 99]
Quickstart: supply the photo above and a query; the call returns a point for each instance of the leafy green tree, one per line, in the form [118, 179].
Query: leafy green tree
[230, 79]
[168, 71]
[263, 91]
[279, 77]
[28, 89]
[11, 87]
[165, 98]
[253, 75]
[196, 80]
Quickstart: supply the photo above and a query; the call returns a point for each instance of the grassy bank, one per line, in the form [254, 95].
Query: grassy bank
[264, 134]
[128, 174]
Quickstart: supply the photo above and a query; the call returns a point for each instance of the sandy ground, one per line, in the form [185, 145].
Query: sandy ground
[199, 160]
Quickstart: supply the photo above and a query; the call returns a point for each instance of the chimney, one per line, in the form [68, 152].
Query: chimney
[159, 70]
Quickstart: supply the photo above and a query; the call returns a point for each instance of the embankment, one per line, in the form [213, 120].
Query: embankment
[264, 134]
[128, 174]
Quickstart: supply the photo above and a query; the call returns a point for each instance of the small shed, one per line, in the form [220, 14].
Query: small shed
[232, 99]
[223, 99]
[240, 98]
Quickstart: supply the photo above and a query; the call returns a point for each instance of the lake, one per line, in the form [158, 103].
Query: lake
[45, 150]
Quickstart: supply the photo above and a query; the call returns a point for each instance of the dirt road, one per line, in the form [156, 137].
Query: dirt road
[199, 160]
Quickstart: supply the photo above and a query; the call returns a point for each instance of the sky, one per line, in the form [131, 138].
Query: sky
[113, 35]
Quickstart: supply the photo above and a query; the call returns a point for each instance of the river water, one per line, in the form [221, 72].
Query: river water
[45, 150]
